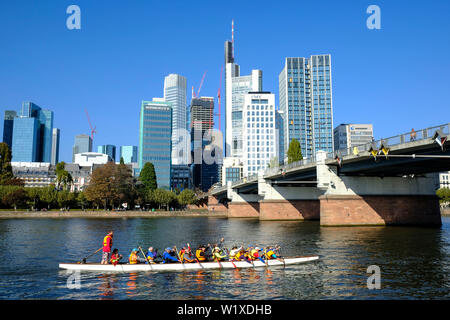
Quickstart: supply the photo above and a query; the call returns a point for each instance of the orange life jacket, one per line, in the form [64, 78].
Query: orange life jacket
[133, 258]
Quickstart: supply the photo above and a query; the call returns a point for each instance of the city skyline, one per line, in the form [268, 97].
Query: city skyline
[365, 90]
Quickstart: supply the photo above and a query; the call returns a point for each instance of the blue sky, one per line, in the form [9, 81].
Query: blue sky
[396, 78]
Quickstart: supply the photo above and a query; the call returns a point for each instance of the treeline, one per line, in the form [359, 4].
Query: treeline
[111, 186]
[444, 196]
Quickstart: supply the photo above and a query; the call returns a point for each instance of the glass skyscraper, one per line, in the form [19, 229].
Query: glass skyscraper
[8, 125]
[55, 146]
[236, 87]
[129, 154]
[204, 175]
[175, 94]
[155, 139]
[32, 134]
[108, 149]
[83, 143]
[306, 100]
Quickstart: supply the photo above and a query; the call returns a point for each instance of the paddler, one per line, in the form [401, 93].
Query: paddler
[235, 253]
[169, 256]
[269, 253]
[184, 254]
[115, 257]
[107, 244]
[218, 255]
[254, 254]
[151, 255]
[134, 257]
[200, 254]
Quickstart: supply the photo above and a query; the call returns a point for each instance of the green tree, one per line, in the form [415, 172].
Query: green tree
[6, 173]
[48, 196]
[33, 197]
[15, 197]
[187, 196]
[122, 161]
[294, 152]
[82, 200]
[274, 163]
[125, 185]
[63, 177]
[102, 189]
[443, 194]
[148, 176]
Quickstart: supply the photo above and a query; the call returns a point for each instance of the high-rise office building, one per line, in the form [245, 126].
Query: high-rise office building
[236, 87]
[305, 94]
[279, 126]
[260, 145]
[8, 125]
[352, 135]
[55, 146]
[155, 139]
[204, 174]
[83, 143]
[32, 134]
[175, 94]
[108, 149]
[129, 154]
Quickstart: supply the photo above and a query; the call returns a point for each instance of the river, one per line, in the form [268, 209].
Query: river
[414, 262]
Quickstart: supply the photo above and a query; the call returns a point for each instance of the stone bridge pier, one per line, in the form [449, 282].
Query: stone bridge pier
[288, 202]
[242, 205]
[367, 200]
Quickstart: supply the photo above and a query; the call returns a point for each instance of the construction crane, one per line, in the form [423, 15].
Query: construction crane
[199, 87]
[90, 124]
[218, 95]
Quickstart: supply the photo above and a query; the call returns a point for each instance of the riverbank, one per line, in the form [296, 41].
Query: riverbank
[108, 214]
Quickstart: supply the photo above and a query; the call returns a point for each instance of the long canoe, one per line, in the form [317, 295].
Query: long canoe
[185, 266]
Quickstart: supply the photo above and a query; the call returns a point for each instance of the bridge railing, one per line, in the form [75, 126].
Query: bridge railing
[253, 177]
[219, 189]
[411, 136]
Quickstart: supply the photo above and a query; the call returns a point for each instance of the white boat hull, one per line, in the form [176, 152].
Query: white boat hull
[181, 267]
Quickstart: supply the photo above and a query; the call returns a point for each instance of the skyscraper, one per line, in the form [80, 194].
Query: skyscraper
[175, 94]
[83, 143]
[32, 134]
[306, 100]
[352, 135]
[260, 145]
[108, 149]
[8, 125]
[129, 154]
[155, 139]
[204, 174]
[55, 146]
[236, 86]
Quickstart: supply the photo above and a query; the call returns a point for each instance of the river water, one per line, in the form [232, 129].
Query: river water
[414, 262]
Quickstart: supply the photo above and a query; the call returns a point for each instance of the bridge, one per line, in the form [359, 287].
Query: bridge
[385, 182]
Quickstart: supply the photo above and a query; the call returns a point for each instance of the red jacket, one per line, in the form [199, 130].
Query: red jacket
[107, 243]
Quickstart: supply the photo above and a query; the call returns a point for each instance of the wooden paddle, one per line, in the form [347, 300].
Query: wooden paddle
[196, 259]
[228, 253]
[145, 257]
[84, 259]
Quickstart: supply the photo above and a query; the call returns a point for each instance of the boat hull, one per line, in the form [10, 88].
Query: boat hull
[182, 267]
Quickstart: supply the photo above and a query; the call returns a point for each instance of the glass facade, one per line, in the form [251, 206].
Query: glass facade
[155, 139]
[260, 144]
[34, 134]
[306, 100]
[8, 125]
[55, 146]
[25, 140]
[83, 143]
[129, 154]
[175, 94]
[108, 149]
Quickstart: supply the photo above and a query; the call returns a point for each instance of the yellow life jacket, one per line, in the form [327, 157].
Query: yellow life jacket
[252, 254]
[238, 255]
[133, 258]
[269, 254]
[199, 255]
[105, 240]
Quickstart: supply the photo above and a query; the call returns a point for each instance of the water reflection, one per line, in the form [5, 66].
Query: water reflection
[414, 261]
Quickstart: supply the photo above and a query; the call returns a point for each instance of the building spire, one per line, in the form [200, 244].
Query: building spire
[232, 38]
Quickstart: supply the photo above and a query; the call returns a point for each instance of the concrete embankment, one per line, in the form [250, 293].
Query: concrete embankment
[108, 214]
[445, 211]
